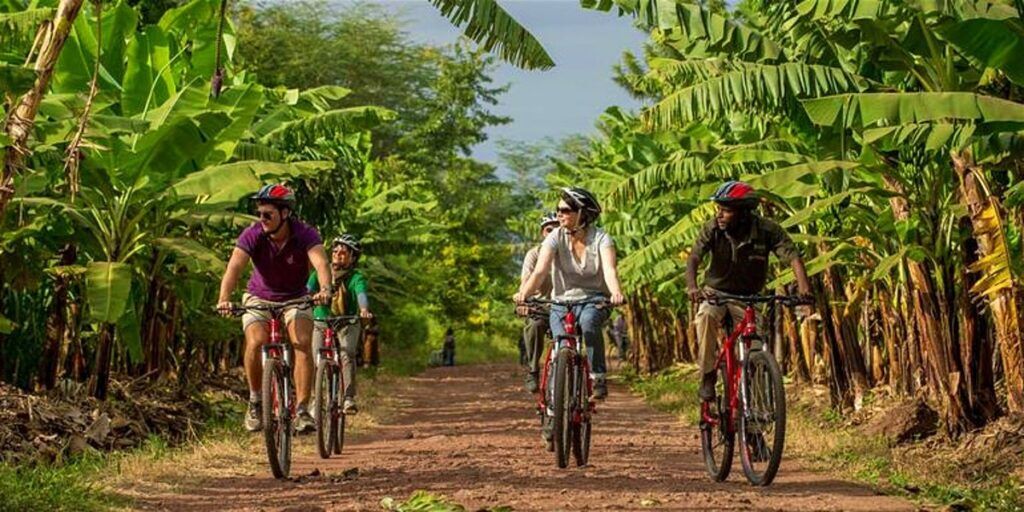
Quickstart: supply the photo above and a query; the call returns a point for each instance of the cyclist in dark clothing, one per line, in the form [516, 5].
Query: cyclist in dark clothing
[739, 241]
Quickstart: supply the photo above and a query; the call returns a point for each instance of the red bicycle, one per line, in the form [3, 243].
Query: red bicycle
[570, 405]
[278, 393]
[750, 400]
[331, 361]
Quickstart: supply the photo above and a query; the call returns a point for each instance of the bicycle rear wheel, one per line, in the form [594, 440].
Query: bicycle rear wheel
[277, 419]
[581, 429]
[762, 431]
[323, 406]
[562, 428]
[717, 440]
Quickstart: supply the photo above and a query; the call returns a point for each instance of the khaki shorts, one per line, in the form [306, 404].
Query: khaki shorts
[290, 313]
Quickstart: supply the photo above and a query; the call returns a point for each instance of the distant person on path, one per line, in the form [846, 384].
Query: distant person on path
[580, 259]
[282, 249]
[536, 318]
[350, 298]
[739, 241]
[448, 348]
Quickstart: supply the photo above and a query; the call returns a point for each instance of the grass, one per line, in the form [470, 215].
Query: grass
[422, 501]
[820, 436]
[47, 487]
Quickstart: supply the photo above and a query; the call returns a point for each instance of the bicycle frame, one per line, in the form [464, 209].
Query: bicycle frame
[746, 327]
[276, 349]
[569, 340]
[330, 348]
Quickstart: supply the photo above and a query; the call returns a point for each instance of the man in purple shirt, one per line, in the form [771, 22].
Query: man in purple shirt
[282, 249]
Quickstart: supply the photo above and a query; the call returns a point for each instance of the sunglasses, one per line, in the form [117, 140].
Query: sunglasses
[267, 215]
[566, 210]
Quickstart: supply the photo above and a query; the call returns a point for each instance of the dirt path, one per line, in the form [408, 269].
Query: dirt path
[469, 433]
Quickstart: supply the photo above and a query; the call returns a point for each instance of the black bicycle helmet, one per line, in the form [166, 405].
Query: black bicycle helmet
[351, 242]
[736, 194]
[547, 219]
[276, 194]
[582, 200]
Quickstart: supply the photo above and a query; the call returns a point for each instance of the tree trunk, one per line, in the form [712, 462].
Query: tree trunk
[57, 322]
[941, 371]
[101, 372]
[986, 219]
[21, 119]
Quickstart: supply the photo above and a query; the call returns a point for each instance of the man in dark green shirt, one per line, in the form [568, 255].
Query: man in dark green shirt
[739, 241]
[350, 298]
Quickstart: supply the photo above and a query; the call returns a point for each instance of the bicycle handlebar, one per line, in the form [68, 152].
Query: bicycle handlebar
[601, 302]
[715, 298]
[274, 308]
[339, 319]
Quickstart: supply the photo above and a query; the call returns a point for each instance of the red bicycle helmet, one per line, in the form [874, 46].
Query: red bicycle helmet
[736, 194]
[276, 194]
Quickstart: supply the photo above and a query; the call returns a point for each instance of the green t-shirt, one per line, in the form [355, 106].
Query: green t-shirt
[346, 291]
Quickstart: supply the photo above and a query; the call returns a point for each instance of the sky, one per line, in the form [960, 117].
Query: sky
[563, 101]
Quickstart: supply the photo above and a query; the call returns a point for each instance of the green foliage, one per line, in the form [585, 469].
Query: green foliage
[490, 25]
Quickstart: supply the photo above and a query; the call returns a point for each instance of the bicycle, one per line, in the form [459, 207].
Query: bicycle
[750, 399]
[278, 393]
[571, 406]
[331, 360]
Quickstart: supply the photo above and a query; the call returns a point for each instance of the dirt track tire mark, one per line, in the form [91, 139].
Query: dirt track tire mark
[470, 433]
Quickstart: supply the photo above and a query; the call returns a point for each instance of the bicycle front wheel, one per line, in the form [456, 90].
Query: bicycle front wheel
[337, 415]
[562, 428]
[716, 436]
[763, 420]
[277, 418]
[323, 406]
[581, 428]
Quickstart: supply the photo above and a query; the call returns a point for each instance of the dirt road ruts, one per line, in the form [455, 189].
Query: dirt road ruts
[470, 433]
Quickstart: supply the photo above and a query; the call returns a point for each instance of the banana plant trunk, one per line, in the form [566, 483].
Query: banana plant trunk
[101, 370]
[936, 345]
[22, 116]
[57, 321]
[987, 221]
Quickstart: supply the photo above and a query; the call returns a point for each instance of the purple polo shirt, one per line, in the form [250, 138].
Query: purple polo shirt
[279, 274]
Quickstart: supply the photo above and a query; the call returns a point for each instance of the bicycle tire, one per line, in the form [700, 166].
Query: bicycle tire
[561, 429]
[323, 405]
[719, 465]
[338, 417]
[763, 408]
[276, 418]
[581, 430]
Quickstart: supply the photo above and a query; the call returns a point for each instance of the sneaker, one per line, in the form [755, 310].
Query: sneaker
[707, 387]
[349, 406]
[531, 382]
[254, 417]
[304, 422]
[600, 388]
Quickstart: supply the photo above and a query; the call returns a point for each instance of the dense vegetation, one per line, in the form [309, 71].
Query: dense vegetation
[150, 137]
[886, 136]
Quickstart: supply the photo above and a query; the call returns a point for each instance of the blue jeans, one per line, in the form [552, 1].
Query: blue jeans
[590, 319]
